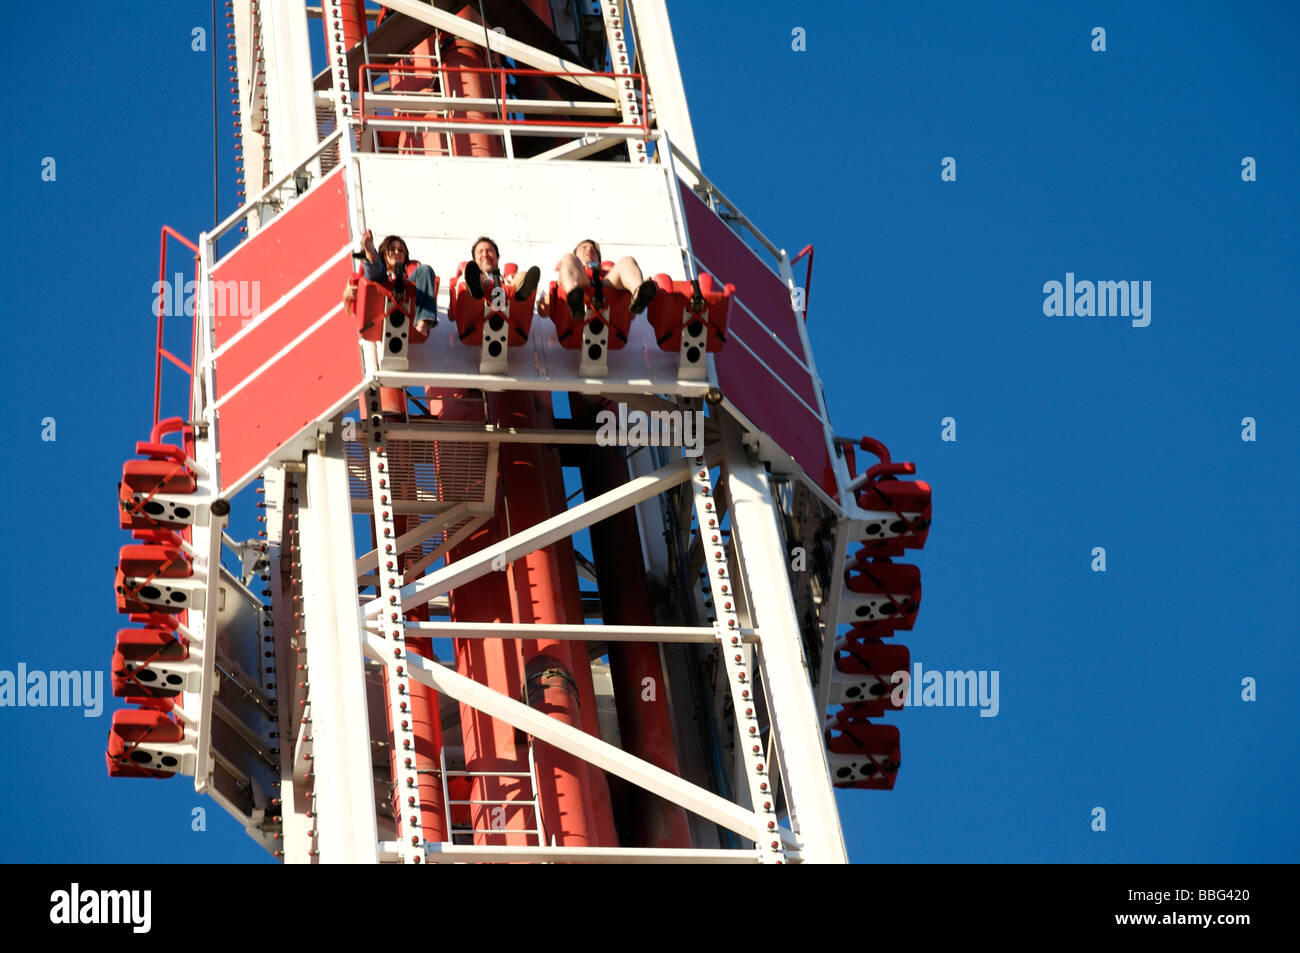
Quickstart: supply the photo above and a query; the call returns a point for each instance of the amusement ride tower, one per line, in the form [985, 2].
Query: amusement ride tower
[415, 660]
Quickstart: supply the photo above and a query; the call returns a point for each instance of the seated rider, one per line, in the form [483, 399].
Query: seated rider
[387, 264]
[574, 275]
[483, 264]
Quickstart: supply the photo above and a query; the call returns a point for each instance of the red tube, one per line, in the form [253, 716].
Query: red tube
[353, 15]
[597, 782]
[457, 52]
[645, 725]
[490, 745]
[538, 595]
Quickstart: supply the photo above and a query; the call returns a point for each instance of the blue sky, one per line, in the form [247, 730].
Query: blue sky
[1119, 690]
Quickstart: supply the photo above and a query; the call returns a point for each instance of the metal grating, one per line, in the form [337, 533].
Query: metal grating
[425, 471]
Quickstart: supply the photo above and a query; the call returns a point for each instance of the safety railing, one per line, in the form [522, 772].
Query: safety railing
[163, 307]
[428, 106]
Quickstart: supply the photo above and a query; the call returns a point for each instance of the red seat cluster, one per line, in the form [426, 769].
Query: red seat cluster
[881, 597]
[154, 504]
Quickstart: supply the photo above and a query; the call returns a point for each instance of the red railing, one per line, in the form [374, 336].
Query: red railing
[159, 351]
[807, 281]
[502, 104]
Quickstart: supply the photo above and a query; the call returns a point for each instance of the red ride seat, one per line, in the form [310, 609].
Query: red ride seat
[668, 312]
[568, 328]
[473, 314]
[375, 301]
[899, 583]
[132, 728]
[140, 648]
[908, 500]
[863, 755]
[142, 480]
[870, 686]
[160, 557]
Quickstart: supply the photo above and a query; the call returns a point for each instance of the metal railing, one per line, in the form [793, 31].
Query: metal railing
[432, 109]
[159, 351]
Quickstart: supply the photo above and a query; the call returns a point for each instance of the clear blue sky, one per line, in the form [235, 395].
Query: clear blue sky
[1119, 690]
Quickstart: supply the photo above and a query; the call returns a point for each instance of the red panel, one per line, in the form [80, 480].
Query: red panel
[729, 259]
[291, 247]
[297, 314]
[771, 408]
[744, 381]
[786, 368]
[294, 391]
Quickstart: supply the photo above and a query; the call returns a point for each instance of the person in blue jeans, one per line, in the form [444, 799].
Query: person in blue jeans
[387, 263]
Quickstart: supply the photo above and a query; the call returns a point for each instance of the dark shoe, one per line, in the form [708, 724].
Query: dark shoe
[576, 304]
[474, 280]
[531, 277]
[644, 295]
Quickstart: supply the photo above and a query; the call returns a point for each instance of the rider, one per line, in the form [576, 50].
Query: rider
[484, 260]
[574, 275]
[388, 263]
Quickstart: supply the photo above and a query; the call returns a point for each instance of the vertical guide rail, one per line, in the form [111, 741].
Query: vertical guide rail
[796, 725]
[620, 63]
[735, 657]
[337, 55]
[205, 539]
[397, 683]
[340, 722]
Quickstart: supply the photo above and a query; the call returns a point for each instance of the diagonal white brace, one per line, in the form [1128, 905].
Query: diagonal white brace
[577, 742]
[500, 43]
[534, 538]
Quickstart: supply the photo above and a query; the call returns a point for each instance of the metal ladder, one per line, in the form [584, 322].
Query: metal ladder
[536, 831]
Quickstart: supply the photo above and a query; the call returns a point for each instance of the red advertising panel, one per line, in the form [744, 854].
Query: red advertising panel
[781, 398]
[282, 254]
[273, 407]
[299, 357]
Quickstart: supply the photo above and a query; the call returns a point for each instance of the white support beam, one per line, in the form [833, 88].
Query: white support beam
[500, 43]
[455, 539]
[345, 795]
[575, 741]
[703, 634]
[488, 433]
[797, 725]
[588, 145]
[460, 854]
[654, 44]
[370, 560]
[536, 537]
[288, 84]
[429, 102]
